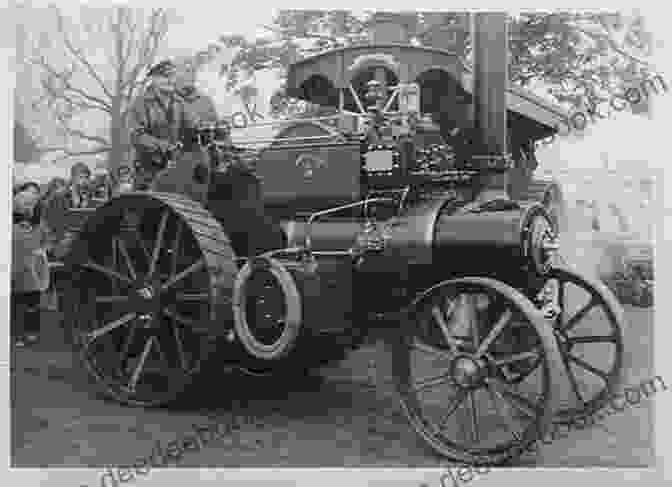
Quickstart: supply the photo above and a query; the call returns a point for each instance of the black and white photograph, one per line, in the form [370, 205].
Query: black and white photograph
[247, 236]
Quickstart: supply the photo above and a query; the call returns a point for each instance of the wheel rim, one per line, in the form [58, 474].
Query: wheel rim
[589, 333]
[143, 294]
[267, 311]
[485, 418]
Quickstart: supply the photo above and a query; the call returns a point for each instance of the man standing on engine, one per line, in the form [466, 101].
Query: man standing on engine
[200, 104]
[160, 120]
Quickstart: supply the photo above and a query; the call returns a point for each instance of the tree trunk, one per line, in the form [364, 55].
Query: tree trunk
[116, 156]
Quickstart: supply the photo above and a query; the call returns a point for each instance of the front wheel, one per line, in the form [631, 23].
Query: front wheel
[589, 332]
[455, 368]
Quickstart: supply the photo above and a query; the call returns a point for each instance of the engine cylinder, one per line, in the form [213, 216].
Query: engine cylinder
[494, 243]
[497, 229]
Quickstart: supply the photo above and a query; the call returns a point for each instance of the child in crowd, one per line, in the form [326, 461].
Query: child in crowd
[30, 271]
[124, 181]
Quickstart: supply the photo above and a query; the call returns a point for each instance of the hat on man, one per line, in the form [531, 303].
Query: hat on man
[80, 168]
[123, 171]
[164, 68]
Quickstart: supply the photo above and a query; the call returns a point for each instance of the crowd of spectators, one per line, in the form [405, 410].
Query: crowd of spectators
[40, 236]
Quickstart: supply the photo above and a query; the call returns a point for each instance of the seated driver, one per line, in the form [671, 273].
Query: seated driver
[159, 119]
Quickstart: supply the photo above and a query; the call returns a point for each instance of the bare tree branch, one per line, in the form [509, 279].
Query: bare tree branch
[69, 152]
[136, 39]
[52, 95]
[77, 53]
[80, 134]
[612, 43]
[132, 28]
[119, 48]
[64, 77]
[158, 27]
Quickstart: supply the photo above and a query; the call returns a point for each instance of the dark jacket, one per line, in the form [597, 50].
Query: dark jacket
[157, 121]
[199, 104]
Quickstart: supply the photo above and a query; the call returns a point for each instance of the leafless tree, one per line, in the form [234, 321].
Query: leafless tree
[93, 71]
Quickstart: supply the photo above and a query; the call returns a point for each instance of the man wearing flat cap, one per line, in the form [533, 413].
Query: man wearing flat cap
[200, 104]
[159, 120]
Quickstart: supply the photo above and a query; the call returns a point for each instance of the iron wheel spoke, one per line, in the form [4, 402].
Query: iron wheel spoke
[180, 345]
[571, 323]
[473, 318]
[176, 247]
[594, 339]
[456, 401]
[192, 297]
[581, 363]
[474, 417]
[111, 299]
[518, 401]
[430, 350]
[494, 333]
[196, 266]
[108, 272]
[561, 294]
[572, 380]
[440, 318]
[157, 244]
[114, 263]
[159, 349]
[431, 382]
[130, 225]
[517, 357]
[128, 341]
[141, 244]
[179, 317]
[141, 363]
[127, 259]
[109, 327]
[496, 399]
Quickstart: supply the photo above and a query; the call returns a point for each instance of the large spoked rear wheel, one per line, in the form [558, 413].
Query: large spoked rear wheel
[589, 333]
[455, 371]
[138, 296]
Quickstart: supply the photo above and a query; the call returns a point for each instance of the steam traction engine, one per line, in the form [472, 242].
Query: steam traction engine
[376, 212]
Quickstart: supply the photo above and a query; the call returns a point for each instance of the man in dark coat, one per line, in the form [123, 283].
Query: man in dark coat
[200, 104]
[79, 191]
[159, 120]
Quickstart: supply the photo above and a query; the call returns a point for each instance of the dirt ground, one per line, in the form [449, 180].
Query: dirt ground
[340, 418]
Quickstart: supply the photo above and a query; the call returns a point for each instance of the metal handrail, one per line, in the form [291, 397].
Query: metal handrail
[308, 240]
[294, 120]
[286, 139]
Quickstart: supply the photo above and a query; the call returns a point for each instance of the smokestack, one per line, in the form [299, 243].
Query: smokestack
[490, 46]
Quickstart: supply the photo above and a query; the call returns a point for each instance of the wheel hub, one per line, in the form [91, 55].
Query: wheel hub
[467, 371]
[146, 293]
[147, 304]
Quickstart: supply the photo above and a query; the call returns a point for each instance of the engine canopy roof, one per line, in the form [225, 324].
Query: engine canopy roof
[319, 78]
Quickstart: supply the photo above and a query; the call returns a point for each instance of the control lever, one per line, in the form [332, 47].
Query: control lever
[170, 155]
